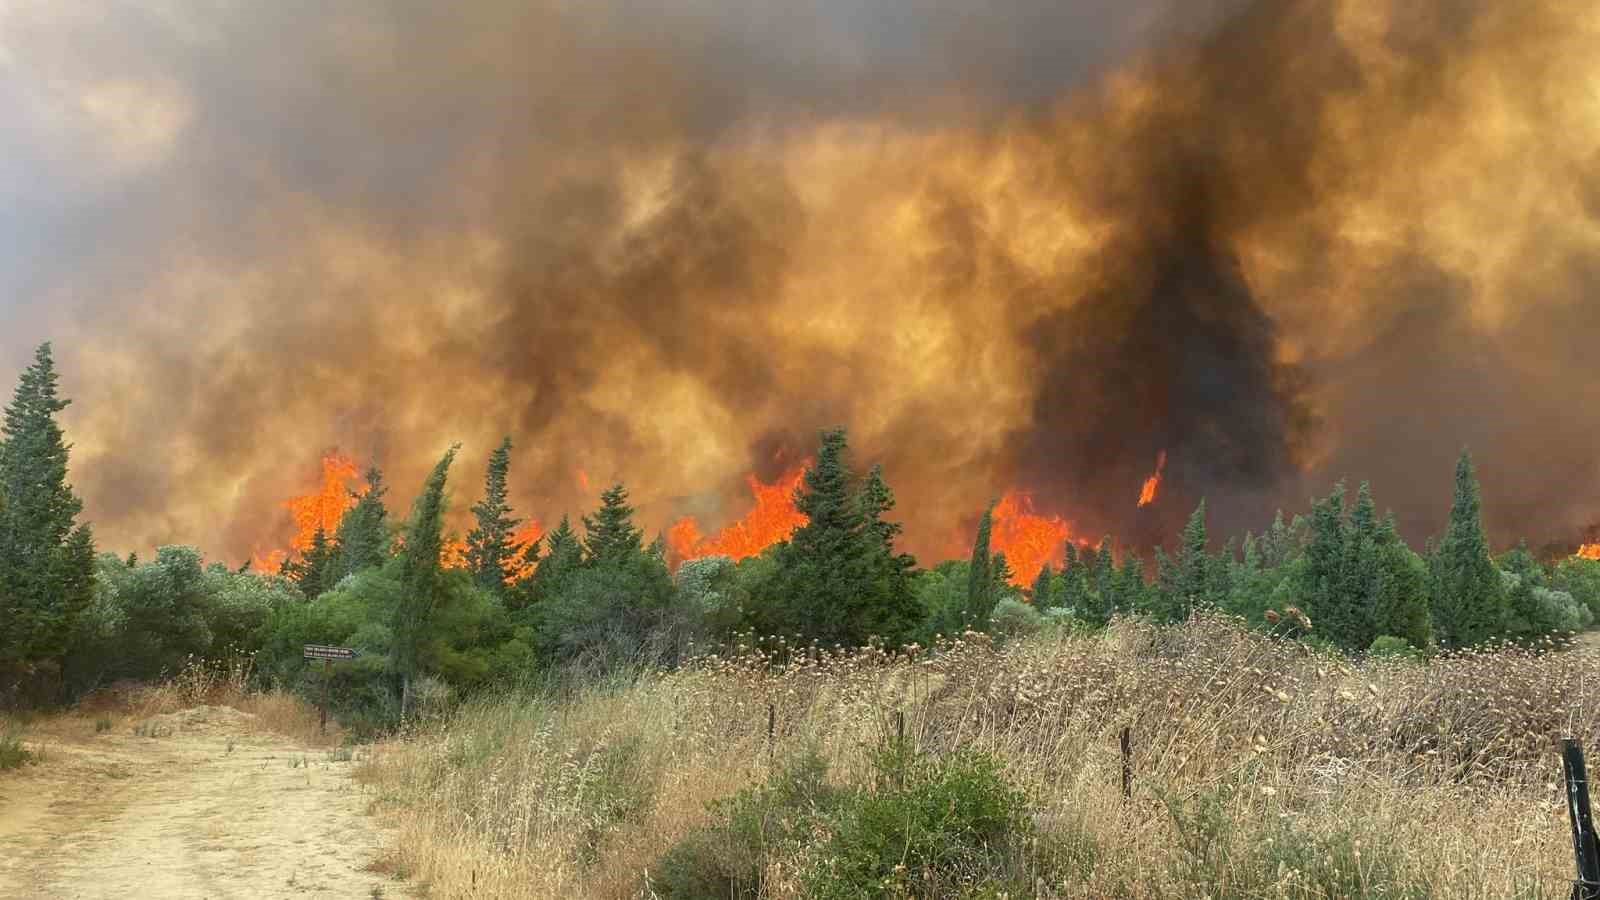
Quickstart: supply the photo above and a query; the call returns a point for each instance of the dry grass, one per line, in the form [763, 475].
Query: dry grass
[1444, 775]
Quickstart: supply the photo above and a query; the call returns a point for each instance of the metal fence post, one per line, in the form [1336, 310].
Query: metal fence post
[1585, 848]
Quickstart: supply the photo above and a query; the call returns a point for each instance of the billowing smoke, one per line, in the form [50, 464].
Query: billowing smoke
[1285, 242]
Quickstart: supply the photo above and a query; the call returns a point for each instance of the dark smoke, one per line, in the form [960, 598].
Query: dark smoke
[1030, 249]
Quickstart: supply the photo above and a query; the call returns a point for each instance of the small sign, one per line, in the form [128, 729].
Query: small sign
[323, 651]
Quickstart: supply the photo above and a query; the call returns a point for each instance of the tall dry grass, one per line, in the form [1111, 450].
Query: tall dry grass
[1253, 759]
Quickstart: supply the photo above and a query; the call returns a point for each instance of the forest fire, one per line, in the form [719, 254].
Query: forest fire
[1028, 539]
[1152, 485]
[773, 518]
[1589, 551]
[321, 509]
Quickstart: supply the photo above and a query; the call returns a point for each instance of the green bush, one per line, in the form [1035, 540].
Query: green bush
[12, 754]
[1393, 647]
[930, 827]
[730, 857]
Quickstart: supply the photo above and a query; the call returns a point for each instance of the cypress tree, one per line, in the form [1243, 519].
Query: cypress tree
[1099, 599]
[46, 558]
[981, 596]
[1130, 586]
[1469, 599]
[1169, 601]
[421, 577]
[489, 547]
[1325, 596]
[363, 540]
[1071, 595]
[610, 535]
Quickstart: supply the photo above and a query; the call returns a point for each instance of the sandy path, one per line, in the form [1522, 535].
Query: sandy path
[182, 815]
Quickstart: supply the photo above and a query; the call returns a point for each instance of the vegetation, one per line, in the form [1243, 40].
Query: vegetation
[1259, 771]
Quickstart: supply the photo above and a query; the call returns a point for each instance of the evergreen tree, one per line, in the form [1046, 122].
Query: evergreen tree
[490, 551]
[981, 596]
[1130, 586]
[563, 556]
[1043, 595]
[1322, 591]
[46, 558]
[1400, 607]
[421, 578]
[315, 572]
[610, 535]
[1193, 585]
[1169, 601]
[892, 570]
[1000, 575]
[363, 540]
[833, 581]
[1469, 599]
[1073, 585]
[1098, 597]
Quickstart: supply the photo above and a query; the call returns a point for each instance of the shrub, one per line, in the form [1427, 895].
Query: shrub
[929, 827]
[730, 858]
[1014, 618]
[1393, 647]
[12, 754]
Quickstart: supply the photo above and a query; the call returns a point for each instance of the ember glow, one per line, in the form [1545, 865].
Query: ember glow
[1028, 539]
[772, 518]
[526, 533]
[1589, 551]
[1152, 485]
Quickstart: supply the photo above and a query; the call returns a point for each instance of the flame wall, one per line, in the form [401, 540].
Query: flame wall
[1284, 242]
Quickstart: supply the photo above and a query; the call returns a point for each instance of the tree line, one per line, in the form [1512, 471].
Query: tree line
[595, 596]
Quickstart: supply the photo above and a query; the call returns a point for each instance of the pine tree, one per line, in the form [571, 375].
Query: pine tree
[1324, 592]
[892, 569]
[490, 550]
[1073, 584]
[421, 578]
[832, 581]
[1169, 601]
[315, 572]
[363, 539]
[1130, 586]
[563, 556]
[1043, 597]
[610, 535]
[1400, 607]
[46, 559]
[1099, 600]
[1469, 599]
[1193, 567]
[981, 596]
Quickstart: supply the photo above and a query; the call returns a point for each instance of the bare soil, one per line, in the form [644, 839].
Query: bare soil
[202, 805]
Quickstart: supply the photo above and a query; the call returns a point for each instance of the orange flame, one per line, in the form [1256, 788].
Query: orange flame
[583, 480]
[1589, 551]
[530, 531]
[323, 508]
[1027, 539]
[1152, 485]
[773, 518]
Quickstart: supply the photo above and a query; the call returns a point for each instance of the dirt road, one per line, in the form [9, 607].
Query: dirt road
[208, 807]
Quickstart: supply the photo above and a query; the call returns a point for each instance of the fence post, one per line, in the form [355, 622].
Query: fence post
[1127, 762]
[772, 732]
[1585, 848]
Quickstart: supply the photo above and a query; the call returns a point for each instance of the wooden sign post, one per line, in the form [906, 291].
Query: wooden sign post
[327, 654]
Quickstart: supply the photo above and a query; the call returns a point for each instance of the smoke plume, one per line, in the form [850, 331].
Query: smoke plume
[1284, 242]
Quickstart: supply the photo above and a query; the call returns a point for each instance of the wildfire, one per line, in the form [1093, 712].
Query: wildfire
[773, 518]
[1027, 539]
[322, 508]
[529, 532]
[1152, 485]
[1589, 551]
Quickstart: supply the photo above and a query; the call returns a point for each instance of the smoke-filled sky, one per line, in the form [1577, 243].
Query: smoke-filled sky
[1287, 242]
